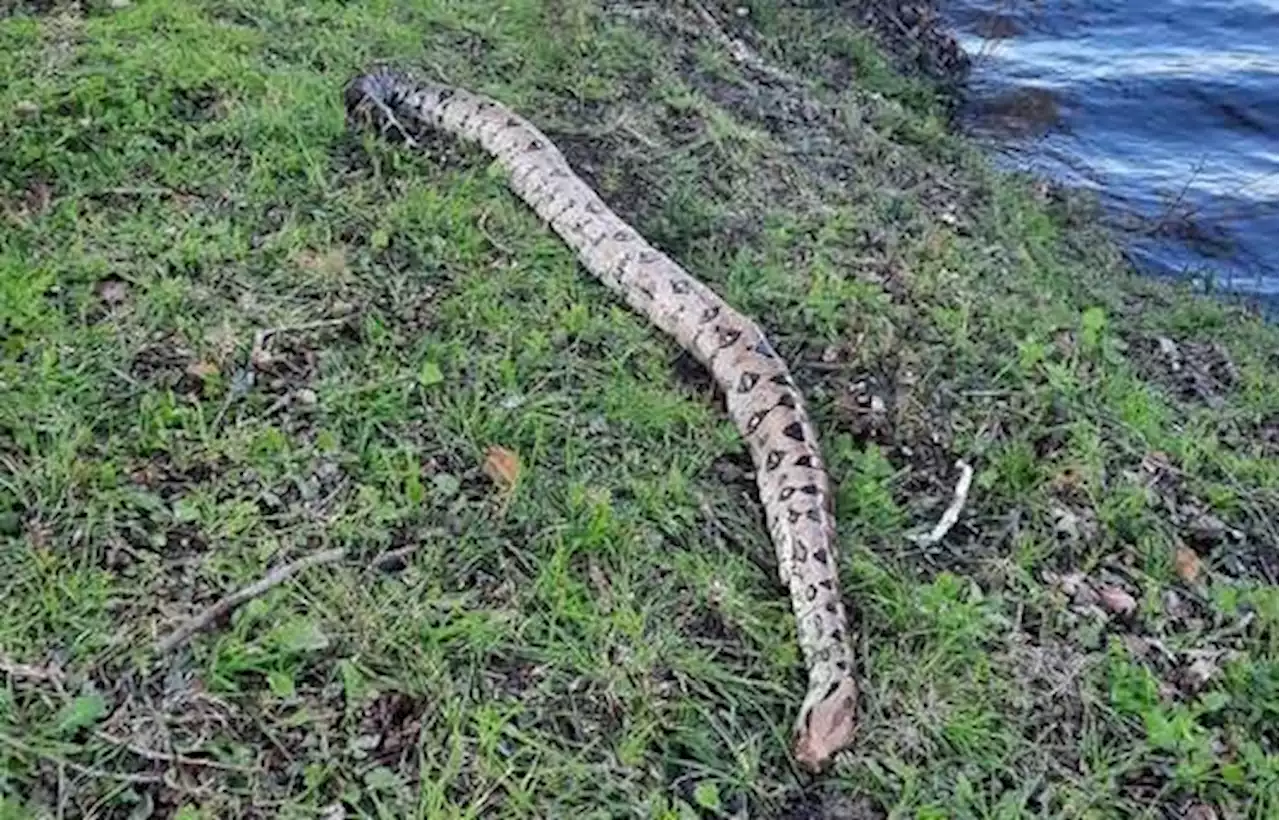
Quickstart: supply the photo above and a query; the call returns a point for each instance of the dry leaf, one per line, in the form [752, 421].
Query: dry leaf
[503, 466]
[1187, 563]
[202, 370]
[1116, 600]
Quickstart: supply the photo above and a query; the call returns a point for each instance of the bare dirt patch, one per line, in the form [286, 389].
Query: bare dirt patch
[1193, 370]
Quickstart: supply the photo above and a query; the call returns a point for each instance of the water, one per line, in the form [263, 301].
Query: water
[1168, 108]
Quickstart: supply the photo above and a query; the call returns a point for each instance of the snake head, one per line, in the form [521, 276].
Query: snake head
[826, 724]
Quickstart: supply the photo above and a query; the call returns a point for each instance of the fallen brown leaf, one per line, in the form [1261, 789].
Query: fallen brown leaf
[503, 466]
[1187, 564]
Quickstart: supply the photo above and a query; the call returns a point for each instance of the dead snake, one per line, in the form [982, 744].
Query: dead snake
[762, 398]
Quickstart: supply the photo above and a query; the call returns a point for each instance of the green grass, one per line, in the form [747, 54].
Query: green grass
[610, 638]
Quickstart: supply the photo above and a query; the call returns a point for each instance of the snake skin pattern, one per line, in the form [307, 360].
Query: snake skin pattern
[762, 398]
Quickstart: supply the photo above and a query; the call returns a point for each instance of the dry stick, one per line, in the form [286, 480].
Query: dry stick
[258, 356]
[36, 674]
[14, 743]
[274, 578]
[390, 558]
[277, 576]
[952, 514]
[155, 754]
[740, 51]
[260, 337]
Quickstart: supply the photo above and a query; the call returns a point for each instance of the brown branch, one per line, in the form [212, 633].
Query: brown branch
[35, 674]
[260, 587]
[155, 754]
[100, 774]
[392, 558]
[952, 513]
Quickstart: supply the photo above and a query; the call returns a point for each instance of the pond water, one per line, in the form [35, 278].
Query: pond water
[1168, 108]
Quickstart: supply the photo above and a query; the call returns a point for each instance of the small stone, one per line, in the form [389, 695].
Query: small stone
[307, 397]
[26, 108]
[877, 405]
[120, 4]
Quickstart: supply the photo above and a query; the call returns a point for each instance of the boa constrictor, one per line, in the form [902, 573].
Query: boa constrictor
[762, 398]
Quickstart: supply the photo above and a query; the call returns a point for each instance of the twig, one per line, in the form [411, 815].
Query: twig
[259, 355]
[390, 558]
[741, 53]
[35, 674]
[277, 576]
[390, 118]
[1195, 172]
[484, 230]
[952, 513]
[14, 743]
[155, 754]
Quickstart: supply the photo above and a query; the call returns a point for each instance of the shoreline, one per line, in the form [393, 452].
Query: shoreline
[1012, 120]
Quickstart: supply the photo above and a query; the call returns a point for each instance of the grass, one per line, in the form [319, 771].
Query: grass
[608, 637]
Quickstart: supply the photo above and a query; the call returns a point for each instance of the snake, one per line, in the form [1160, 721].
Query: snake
[761, 395]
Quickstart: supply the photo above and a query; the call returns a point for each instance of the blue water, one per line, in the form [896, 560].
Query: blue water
[1168, 108]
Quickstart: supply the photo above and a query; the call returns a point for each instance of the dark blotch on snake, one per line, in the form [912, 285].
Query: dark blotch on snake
[794, 431]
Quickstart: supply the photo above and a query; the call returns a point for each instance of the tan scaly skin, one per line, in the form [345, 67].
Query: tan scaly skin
[762, 398]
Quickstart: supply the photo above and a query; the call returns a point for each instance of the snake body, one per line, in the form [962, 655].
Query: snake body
[762, 398]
